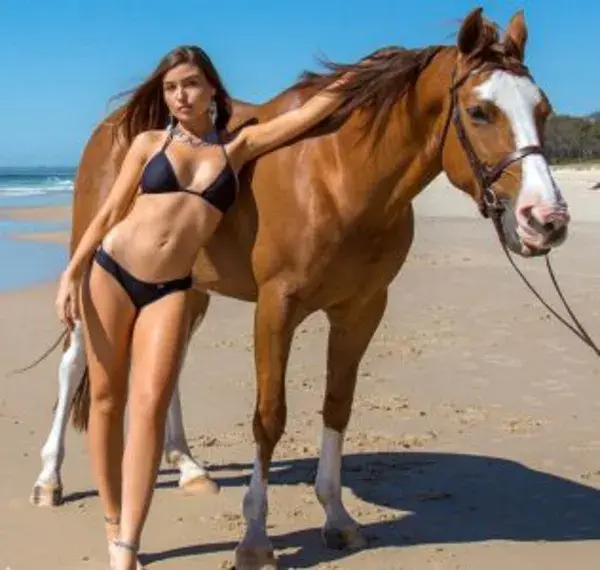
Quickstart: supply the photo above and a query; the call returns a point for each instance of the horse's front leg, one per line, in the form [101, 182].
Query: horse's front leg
[276, 317]
[353, 324]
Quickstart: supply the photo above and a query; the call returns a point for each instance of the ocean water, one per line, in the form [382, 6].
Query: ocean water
[39, 186]
[26, 263]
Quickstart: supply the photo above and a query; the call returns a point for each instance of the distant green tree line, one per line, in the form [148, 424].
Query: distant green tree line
[573, 139]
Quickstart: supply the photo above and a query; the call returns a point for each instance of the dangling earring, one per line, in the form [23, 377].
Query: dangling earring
[171, 123]
[212, 111]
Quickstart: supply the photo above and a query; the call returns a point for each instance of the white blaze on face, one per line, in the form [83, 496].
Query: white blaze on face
[517, 97]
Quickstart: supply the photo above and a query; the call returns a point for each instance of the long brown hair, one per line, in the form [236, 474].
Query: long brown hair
[146, 108]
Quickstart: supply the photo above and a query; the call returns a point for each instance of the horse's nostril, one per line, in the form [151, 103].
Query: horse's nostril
[547, 228]
[557, 234]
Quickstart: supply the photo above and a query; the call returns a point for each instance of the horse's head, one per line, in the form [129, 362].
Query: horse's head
[493, 142]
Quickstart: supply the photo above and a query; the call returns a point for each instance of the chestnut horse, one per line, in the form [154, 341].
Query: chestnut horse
[326, 223]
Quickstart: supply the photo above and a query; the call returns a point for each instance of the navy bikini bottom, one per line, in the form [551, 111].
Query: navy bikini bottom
[141, 293]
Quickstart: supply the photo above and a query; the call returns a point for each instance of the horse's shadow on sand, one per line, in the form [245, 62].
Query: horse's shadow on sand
[441, 498]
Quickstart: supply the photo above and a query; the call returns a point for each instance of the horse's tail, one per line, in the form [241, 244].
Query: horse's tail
[48, 352]
[80, 407]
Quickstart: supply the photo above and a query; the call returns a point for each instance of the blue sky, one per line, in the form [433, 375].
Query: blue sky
[62, 60]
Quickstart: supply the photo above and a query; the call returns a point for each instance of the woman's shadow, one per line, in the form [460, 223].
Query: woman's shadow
[439, 498]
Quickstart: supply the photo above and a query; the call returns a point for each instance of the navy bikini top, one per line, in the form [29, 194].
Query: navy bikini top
[159, 177]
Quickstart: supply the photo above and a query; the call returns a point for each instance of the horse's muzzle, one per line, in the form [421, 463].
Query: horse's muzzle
[529, 237]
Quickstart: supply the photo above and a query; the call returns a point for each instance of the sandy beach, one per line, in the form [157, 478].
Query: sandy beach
[474, 442]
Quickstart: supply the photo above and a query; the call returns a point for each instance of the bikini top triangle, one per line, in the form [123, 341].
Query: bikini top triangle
[159, 177]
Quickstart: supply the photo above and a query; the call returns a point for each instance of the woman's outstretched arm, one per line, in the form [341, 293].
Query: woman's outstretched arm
[260, 138]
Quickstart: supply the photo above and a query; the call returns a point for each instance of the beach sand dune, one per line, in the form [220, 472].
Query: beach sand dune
[474, 442]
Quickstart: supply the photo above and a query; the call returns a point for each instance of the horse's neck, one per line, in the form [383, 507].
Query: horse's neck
[409, 155]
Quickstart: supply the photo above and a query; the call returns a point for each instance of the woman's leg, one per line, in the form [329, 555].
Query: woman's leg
[158, 343]
[108, 315]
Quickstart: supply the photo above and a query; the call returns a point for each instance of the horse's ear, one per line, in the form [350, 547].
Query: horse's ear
[470, 32]
[515, 36]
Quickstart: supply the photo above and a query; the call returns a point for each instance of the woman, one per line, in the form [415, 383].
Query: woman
[133, 268]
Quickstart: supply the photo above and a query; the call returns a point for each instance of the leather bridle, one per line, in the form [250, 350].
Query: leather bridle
[490, 204]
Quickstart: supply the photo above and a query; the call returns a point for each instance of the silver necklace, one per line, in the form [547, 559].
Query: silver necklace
[186, 138]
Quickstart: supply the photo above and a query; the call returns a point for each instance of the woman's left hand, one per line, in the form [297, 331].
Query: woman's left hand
[67, 300]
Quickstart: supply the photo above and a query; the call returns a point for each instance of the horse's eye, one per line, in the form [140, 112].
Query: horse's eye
[478, 114]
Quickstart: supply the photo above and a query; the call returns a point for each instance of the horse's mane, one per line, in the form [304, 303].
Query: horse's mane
[375, 83]
[379, 80]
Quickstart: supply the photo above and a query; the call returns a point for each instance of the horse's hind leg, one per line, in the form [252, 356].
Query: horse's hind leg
[193, 476]
[47, 490]
[353, 324]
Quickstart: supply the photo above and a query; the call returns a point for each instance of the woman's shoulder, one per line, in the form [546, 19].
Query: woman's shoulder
[152, 136]
[146, 142]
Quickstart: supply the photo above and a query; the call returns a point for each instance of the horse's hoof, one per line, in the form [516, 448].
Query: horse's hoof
[200, 485]
[247, 558]
[43, 496]
[347, 539]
